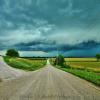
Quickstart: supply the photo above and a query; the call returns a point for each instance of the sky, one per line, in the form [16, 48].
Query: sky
[46, 27]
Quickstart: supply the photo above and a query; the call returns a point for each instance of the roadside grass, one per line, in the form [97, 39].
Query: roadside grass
[89, 76]
[86, 68]
[25, 64]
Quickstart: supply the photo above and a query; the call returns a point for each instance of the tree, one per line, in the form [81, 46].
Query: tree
[98, 57]
[12, 53]
[59, 60]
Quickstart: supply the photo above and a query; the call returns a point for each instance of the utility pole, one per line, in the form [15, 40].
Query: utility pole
[57, 52]
[57, 56]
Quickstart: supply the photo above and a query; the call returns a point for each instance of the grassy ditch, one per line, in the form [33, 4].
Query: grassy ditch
[25, 64]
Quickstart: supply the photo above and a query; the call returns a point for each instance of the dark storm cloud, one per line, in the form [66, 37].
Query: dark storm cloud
[49, 24]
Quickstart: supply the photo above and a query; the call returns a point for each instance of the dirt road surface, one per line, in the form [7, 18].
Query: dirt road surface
[7, 72]
[48, 83]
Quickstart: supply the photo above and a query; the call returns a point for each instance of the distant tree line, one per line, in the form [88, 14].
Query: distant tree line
[58, 61]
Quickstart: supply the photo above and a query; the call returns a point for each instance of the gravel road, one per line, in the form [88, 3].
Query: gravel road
[7, 72]
[48, 83]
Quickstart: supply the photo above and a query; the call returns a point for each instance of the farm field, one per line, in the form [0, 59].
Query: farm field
[81, 59]
[90, 64]
[25, 64]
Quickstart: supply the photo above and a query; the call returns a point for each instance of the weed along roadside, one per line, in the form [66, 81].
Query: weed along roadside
[88, 73]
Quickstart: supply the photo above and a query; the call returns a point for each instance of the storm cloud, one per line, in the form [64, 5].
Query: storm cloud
[48, 25]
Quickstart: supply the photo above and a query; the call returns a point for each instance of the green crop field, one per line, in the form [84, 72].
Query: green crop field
[25, 64]
[80, 59]
[90, 64]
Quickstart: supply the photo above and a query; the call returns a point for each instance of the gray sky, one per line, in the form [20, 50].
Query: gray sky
[72, 26]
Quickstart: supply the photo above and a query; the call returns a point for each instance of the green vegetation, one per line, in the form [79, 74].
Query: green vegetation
[12, 53]
[59, 60]
[25, 64]
[86, 68]
[98, 57]
[89, 76]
